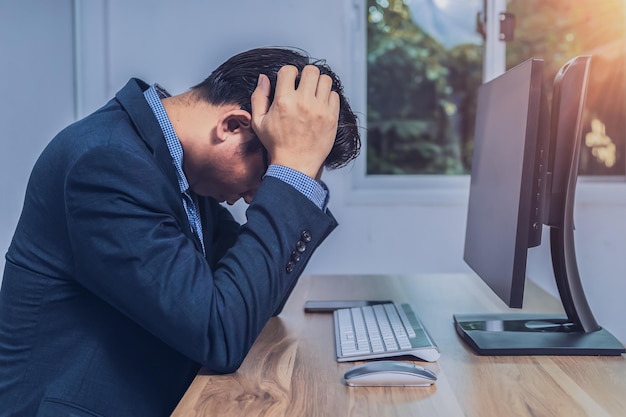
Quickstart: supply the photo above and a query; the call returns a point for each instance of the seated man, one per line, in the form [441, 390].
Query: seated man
[126, 275]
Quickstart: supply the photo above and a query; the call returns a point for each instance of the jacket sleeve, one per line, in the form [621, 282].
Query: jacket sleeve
[130, 250]
[220, 230]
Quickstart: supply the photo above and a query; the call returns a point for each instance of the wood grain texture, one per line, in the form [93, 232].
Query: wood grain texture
[291, 369]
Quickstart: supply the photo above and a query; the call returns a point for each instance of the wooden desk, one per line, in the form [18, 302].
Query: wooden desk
[291, 369]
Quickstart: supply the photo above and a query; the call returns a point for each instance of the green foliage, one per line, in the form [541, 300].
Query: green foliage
[421, 97]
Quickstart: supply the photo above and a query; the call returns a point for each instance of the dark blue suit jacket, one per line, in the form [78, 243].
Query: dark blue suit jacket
[108, 306]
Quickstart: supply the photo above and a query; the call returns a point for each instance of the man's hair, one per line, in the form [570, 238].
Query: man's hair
[235, 80]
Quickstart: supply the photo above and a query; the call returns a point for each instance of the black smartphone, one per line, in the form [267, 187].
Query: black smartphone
[328, 306]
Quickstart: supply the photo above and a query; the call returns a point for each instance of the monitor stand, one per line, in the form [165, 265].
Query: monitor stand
[533, 334]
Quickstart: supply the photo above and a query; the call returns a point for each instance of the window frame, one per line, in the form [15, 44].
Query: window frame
[441, 189]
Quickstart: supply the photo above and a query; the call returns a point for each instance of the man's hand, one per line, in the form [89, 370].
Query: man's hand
[299, 128]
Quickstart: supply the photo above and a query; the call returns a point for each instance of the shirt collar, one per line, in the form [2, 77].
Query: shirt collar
[153, 96]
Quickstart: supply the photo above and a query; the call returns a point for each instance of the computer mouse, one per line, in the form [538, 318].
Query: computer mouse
[389, 374]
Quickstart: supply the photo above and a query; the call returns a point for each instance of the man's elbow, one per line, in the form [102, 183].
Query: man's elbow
[226, 365]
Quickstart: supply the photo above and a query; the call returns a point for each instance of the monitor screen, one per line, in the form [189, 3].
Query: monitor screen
[506, 187]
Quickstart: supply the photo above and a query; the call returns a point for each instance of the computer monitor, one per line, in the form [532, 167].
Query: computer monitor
[524, 173]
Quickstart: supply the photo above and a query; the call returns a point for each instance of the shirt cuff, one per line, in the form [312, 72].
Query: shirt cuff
[315, 191]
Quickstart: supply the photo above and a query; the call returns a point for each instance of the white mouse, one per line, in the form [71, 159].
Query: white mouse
[389, 374]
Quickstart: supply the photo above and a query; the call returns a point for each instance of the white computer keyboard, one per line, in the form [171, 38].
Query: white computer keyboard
[381, 331]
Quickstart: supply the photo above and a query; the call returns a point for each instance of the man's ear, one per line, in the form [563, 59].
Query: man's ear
[233, 122]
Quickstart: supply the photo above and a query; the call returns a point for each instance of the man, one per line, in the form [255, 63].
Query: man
[126, 275]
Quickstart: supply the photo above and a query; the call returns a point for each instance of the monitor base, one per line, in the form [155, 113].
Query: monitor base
[532, 334]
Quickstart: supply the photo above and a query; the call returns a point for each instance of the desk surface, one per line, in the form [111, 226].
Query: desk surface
[291, 369]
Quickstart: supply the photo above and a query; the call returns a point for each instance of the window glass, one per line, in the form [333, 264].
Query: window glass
[424, 65]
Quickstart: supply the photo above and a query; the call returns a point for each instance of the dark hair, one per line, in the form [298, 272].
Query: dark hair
[235, 80]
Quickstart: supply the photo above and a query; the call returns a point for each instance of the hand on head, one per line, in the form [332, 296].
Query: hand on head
[299, 128]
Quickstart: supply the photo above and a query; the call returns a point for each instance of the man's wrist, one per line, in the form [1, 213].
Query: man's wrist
[314, 190]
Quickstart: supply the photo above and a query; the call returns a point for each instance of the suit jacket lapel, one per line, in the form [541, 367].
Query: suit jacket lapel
[134, 103]
[132, 100]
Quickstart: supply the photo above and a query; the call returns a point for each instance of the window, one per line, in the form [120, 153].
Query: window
[424, 65]
[426, 59]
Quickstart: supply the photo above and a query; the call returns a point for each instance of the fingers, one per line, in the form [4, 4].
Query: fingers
[324, 88]
[286, 79]
[260, 100]
[311, 82]
[333, 102]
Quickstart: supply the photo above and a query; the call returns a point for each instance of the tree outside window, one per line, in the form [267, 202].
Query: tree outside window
[424, 66]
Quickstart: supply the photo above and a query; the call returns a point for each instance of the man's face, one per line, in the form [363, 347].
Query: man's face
[226, 172]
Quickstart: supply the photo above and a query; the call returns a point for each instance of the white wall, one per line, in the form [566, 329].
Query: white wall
[36, 83]
[395, 230]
